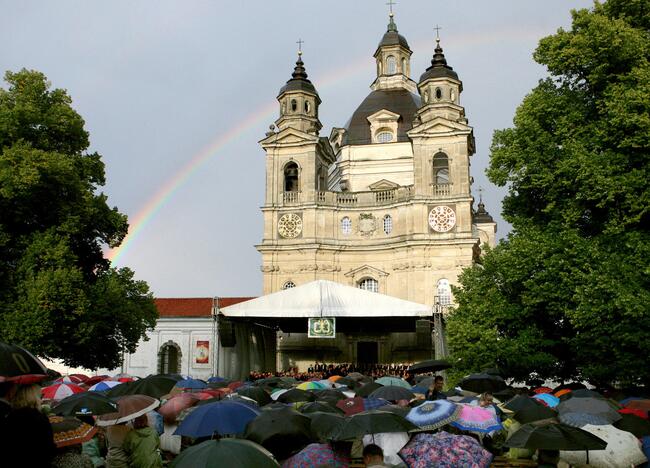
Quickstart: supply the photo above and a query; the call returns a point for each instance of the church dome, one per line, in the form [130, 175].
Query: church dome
[299, 80]
[399, 101]
[439, 67]
[393, 38]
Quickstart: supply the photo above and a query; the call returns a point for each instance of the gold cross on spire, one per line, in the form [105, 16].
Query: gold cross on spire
[480, 194]
[437, 28]
[390, 6]
[300, 42]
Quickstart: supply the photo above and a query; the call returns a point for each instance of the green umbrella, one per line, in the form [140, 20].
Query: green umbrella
[373, 422]
[154, 386]
[634, 424]
[85, 403]
[553, 436]
[218, 453]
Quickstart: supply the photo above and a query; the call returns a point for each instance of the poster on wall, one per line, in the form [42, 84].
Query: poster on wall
[322, 327]
[202, 352]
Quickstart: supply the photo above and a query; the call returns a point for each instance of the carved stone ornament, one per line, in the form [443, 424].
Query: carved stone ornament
[290, 225]
[442, 218]
[367, 224]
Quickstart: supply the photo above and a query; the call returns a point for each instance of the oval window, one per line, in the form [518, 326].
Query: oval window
[438, 93]
[294, 105]
[307, 107]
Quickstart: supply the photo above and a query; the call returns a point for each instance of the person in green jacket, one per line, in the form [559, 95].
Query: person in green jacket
[142, 445]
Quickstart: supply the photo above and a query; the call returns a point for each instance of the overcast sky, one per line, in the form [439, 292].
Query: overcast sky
[176, 94]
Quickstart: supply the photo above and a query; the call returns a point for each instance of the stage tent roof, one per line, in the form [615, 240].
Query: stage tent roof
[326, 299]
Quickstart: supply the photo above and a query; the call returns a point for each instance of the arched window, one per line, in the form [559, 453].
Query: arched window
[369, 284]
[289, 285]
[452, 95]
[391, 65]
[440, 169]
[307, 107]
[404, 66]
[169, 358]
[346, 226]
[388, 224]
[384, 135]
[444, 292]
[438, 93]
[294, 105]
[291, 177]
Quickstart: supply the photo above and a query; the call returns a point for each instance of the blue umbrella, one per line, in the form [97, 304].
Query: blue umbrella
[582, 419]
[216, 379]
[550, 400]
[434, 414]
[419, 389]
[222, 417]
[193, 384]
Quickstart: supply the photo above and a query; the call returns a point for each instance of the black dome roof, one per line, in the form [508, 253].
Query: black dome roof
[399, 101]
[299, 81]
[392, 37]
[439, 67]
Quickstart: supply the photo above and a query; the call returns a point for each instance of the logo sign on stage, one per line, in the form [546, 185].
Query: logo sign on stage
[322, 328]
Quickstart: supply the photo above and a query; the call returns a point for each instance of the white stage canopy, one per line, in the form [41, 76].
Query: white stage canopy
[326, 299]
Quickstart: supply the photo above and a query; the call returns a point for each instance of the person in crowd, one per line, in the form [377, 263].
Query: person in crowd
[485, 400]
[142, 445]
[373, 456]
[27, 396]
[435, 389]
[26, 439]
[115, 456]
[548, 458]
[95, 448]
[7, 391]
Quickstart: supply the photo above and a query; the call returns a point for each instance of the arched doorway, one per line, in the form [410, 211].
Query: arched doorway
[169, 358]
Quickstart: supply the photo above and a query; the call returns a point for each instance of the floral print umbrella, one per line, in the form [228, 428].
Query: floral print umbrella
[477, 419]
[317, 455]
[434, 414]
[444, 450]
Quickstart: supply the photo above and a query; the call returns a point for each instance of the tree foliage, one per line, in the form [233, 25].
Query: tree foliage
[59, 296]
[567, 293]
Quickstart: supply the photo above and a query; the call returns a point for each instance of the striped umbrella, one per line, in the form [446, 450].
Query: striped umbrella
[59, 391]
[311, 386]
[434, 414]
[104, 385]
[69, 379]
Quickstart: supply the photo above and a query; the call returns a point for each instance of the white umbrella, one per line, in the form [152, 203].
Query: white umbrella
[390, 443]
[276, 394]
[623, 450]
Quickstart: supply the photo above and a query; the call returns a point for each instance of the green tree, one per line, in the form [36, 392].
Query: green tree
[567, 293]
[59, 296]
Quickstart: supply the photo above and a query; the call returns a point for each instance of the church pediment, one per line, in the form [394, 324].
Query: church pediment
[366, 270]
[383, 115]
[288, 137]
[439, 126]
[383, 184]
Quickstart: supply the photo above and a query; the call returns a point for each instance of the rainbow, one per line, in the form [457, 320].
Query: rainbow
[263, 114]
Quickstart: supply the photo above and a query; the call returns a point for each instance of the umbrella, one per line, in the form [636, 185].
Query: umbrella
[104, 386]
[553, 436]
[96, 379]
[70, 379]
[359, 377]
[635, 412]
[69, 430]
[639, 404]
[542, 390]
[391, 443]
[235, 385]
[372, 422]
[223, 417]
[398, 410]
[477, 419]
[334, 378]
[216, 379]
[317, 455]
[172, 408]
[356, 405]
[479, 383]
[569, 386]
[549, 400]
[348, 381]
[585, 393]
[283, 432]
[311, 386]
[634, 424]
[533, 412]
[582, 419]
[128, 407]
[193, 384]
[295, 395]
[255, 393]
[622, 449]
[154, 386]
[324, 426]
[85, 403]
[217, 453]
[19, 365]
[393, 393]
[315, 406]
[432, 365]
[520, 402]
[394, 381]
[444, 449]
[367, 389]
[60, 391]
[595, 406]
[434, 414]
[330, 394]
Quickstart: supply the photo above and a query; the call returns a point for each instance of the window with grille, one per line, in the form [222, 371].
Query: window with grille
[444, 292]
[369, 284]
[289, 285]
[346, 226]
[384, 137]
[388, 224]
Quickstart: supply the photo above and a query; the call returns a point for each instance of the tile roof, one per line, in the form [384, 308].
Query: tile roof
[192, 306]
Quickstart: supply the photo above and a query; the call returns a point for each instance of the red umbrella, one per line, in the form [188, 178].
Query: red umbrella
[206, 395]
[60, 391]
[96, 379]
[235, 385]
[172, 408]
[643, 405]
[81, 377]
[69, 379]
[539, 390]
[636, 412]
[351, 405]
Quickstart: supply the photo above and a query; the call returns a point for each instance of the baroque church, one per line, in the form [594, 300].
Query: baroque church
[384, 203]
[370, 225]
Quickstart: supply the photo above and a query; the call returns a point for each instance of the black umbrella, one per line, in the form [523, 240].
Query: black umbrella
[479, 383]
[505, 394]
[492, 371]
[367, 389]
[552, 436]
[224, 452]
[85, 403]
[398, 410]
[584, 393]
[350, 382]
[392, 393]
[634, 424]
[154, 386]
[432, 365]
[569, 386]
[373, 422]
[534, 413]
[329, 393]
[282, 432]
[594, 406]
[296, 395]
[255, 393]
[520, 402]
[324, 426]
[20, 366]
[319, 406]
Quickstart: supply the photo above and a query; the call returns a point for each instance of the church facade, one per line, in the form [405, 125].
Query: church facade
[385, 202]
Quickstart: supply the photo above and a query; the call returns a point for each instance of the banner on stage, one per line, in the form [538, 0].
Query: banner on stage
[202, 352]
[322, 327]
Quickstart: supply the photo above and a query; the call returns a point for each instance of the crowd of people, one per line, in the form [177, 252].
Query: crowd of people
[321, 371]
